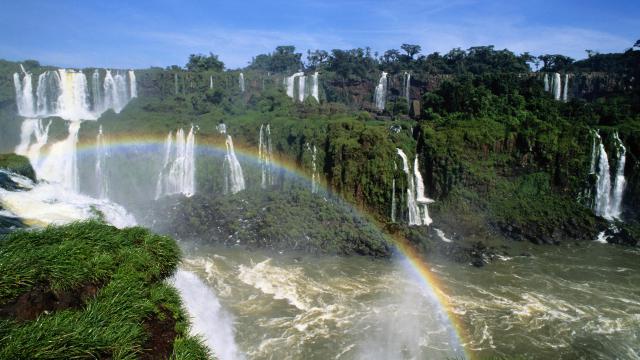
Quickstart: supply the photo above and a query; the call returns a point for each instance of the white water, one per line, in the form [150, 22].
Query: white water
[407, 87]
[565, 88]
[557, 86]
[208, 318]
[265, 152]
[315, 176]
[546, 83]
[102, 185]
[211, 82]
[314, 87]
[24, 94]
[290, 83]
[442, 235]
[33, 136]
[133, 86]
[609, 192]
[60, 165]
[380, 95]
[412, 206]
[48, 203]
[66, 93]
[241, 82]
[177, 175]
[421, 199]
[617, 192]
[234, 179]
[302, 88]
[393, 200]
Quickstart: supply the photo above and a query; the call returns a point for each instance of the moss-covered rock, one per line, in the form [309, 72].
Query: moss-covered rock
[17, 164]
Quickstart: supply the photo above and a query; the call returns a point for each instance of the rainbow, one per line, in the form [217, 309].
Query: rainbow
[215, 143]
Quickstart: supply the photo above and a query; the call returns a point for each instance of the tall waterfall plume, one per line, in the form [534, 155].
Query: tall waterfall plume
[314, 86]
[177, 175]
[407, 87]
[211, 82]
[33, 137]
[233, 176]
[133, 85]
[380, 95]
[61, 163]
[290, 84]
[67, 94]
[265, 152]
[24, 93]
[102, 185]
[241, 82]
[302, 88]
[565, 88]
[547, 88]
[417, 202]
[609, 192]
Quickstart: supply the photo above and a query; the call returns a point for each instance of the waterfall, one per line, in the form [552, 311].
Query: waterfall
[417, 202]
[407, 87]
[211, 82]
[302, 93]
[381, 92]
[208, 318]
[102, 186]
[615, 206]
[60, 166]
[421, 199]
[177, 175]
[565, 88]
[133, 86]
[96, 92]
[546, 83]
[393, 200]
[265, 154]
[234, 179]
[24, 94]
[314, 86]
[241, 82]
[290, 83]
[67, 94]
[175, 82]
[33, 128]
[557, 85]
[315, 176]
[594, 151]
[609, 194]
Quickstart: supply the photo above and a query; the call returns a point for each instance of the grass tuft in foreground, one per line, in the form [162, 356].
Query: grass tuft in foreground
[131, 313]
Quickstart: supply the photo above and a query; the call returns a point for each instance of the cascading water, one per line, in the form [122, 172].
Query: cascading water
[314, 87]
[177, 175]
[381, 92]
[211, 82]
[609, 194]
[102, 186]
[615, 206]
[265, 152]
[33, 128]
[302, 90]
[393, 200]
[421, 199]
[67, 94]
[234, 179]
[407, 87]
[290, 84]
[417, 202]
[546, 83]
[175, 83]
[557, 86]
[60, 166]
[24, 93]
[133, 86]
[241, 82]
[565, 88]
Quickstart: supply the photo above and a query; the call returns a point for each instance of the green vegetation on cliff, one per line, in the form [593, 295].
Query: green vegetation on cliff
[90, 290]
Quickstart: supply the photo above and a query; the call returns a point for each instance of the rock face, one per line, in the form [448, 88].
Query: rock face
[17, 164]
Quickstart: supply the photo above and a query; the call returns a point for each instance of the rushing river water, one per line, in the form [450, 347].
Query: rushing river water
[559, 302]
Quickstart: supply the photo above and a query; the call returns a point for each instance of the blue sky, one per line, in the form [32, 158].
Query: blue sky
[136, 34]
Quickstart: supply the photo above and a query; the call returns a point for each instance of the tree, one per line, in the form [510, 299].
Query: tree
[411, 50]
[200, 62]
[555, 62]
[317, 57]
[637, 44]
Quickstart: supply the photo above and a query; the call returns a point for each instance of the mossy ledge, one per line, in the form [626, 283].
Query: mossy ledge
[17, 164]
[90, 290]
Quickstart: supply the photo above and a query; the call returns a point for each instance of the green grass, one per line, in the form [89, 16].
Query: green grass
[17, 164]
[131, 263]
